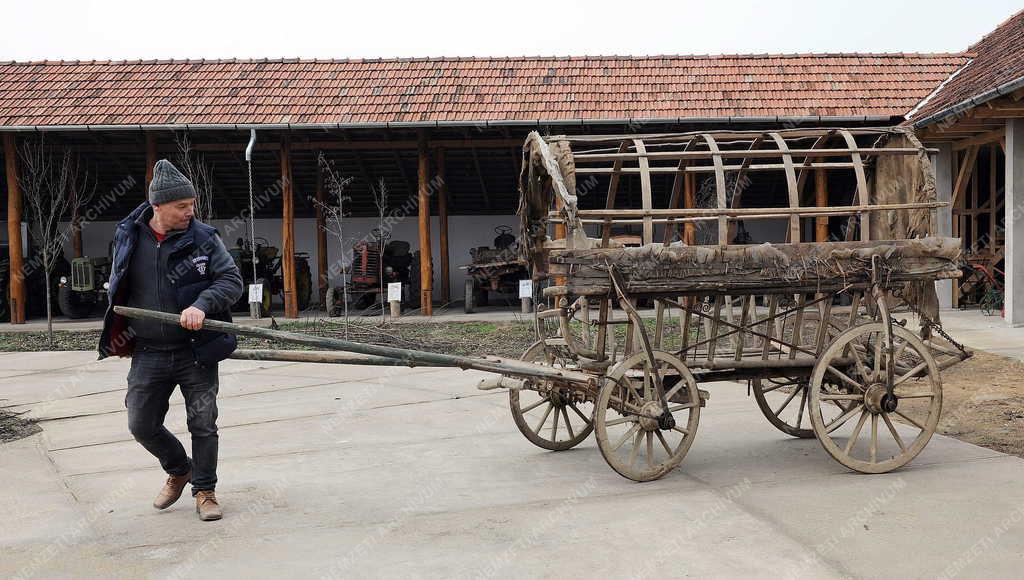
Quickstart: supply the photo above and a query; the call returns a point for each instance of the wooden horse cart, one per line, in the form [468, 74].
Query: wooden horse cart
[838, 339]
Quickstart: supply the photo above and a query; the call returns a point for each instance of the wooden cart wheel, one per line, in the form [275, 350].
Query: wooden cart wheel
[885, 432]
[636, 439]
[552, 417]
[783, 401]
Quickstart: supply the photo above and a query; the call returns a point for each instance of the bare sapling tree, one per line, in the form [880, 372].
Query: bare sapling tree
[380, 200]
[53, 185]
[335, 209]
[195, 167]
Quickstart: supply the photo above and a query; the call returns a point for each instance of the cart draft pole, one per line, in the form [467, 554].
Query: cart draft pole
[423, 203]
[291, 308]
[16, 296]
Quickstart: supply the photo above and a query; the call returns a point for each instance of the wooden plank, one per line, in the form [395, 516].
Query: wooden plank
[291, 305]
[442, 210]
[750, 211]
[645, 192]
[426, 265]
[607, 170]
[15, 204]
[992, 136]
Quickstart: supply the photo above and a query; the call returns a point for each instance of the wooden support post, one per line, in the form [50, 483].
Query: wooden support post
[291, 307]
[16, 294]
[690, 202]
[442, 210]
[426, 265]
[820, 200]
[321, 237]
[150, 158]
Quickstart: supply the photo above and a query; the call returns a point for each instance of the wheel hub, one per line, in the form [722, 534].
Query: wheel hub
[878, 400]
[654, 418]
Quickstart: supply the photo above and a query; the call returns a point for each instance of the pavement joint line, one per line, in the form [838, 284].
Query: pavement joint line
[341, 382]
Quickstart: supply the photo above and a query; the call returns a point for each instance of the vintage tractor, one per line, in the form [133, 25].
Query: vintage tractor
[372, 270]
[268, 273]
[497, 269]
[35, 286]
[79, 293]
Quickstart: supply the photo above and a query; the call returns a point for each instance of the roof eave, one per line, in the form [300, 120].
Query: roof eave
[969, 103]
[453, 124]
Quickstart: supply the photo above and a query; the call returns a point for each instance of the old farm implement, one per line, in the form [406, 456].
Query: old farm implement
[839, 339]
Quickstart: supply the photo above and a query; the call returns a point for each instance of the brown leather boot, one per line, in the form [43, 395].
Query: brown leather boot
[171, 491]
[207, 506]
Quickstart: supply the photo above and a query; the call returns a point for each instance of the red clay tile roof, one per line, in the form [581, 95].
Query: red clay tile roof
[469, 90]
[998, 58]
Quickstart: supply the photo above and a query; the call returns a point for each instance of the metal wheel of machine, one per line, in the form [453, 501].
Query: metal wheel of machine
[908, 416]
[636, 437]
[470, 305]
[554, 417]
[73, 304]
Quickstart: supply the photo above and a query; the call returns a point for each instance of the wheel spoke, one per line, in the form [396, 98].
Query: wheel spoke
[664, 443]
[554, 426]
[526, 410]
[625, 436]
[838, 422]
[680, 407]
[586, 420]
[568, 425]
[874, 438]
[841, 397]
[852, 442]
[612, 423]
[786, 402]
[878, 355]
[921, 395]
[861, 366]
[910, 373]
[544, 419]
[909, 420]
[895, 435]
[803, 403]
[843, 376]
[681, 430]
[636, 448]
[650, 449]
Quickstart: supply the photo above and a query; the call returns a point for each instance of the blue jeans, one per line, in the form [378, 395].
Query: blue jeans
[151, 380]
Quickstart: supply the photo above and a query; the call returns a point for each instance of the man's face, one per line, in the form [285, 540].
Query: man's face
[175, 215]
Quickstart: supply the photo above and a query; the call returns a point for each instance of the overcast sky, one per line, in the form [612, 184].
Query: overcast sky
[120, 29]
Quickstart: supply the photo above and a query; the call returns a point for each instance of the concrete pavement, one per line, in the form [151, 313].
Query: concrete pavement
[363, 472]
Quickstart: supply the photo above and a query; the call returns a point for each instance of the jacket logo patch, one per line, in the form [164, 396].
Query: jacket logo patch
[200, 263]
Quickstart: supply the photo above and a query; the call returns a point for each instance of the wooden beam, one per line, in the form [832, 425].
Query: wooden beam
[16, 293]
[690, 202]
[820, 200]
[442, 210]
[291, 306]
[426, 265]
[964, 174]
[987, 137]
[150, 158]
[321, 237]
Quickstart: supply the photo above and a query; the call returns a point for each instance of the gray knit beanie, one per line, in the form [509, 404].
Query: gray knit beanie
[168, 184]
